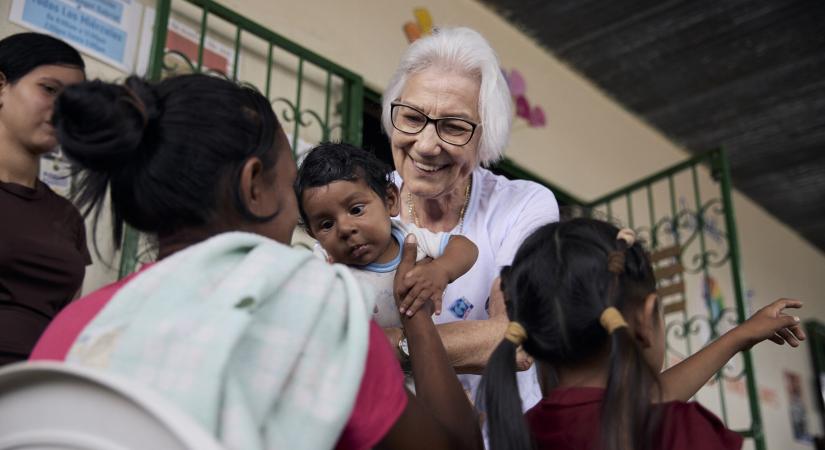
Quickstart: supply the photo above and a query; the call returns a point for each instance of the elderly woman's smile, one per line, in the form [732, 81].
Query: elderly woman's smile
[429, 165]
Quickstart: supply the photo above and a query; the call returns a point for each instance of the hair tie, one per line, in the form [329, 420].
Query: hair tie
[134, 99]
[627, 235]
[515, 333]
[611, 319]
[615, 262]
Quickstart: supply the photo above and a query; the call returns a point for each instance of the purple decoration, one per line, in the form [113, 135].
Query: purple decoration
[522, 107]
[517, 84]
[537, 117]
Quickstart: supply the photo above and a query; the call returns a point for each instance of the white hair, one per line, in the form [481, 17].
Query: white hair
[463, 50]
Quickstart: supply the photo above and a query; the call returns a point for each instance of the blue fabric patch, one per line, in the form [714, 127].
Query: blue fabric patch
[461, 308]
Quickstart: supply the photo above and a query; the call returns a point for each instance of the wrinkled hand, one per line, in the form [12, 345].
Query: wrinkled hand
[523, 360]
[772, 323]
[410, 302]
[497, 310]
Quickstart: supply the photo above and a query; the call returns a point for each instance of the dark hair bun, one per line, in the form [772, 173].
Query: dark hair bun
[102, 125]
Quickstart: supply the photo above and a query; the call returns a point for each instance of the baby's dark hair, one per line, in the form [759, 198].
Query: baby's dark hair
[169, 153]
[557, 288]
[336, 161]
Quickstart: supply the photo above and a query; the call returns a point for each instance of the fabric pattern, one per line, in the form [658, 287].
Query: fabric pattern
[262, 358]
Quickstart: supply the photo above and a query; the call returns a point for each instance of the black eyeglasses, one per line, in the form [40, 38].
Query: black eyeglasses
[452, 130]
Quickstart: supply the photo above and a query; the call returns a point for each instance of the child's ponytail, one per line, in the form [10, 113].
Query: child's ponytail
[501, 400]
[627, 418]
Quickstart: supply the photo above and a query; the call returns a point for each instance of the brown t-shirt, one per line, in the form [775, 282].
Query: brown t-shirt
[43, 258]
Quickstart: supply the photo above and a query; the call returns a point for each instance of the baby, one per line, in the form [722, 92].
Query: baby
[347, 201]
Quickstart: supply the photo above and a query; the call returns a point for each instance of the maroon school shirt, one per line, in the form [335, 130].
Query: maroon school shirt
[43, 259]
[569, 419]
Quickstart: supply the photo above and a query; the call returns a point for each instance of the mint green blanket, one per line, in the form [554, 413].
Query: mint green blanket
[261, 343]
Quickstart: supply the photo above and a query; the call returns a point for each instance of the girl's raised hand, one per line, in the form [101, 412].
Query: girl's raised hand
[772, 323]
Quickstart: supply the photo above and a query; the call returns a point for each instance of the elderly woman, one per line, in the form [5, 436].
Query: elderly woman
[447, 111]
[262, 344]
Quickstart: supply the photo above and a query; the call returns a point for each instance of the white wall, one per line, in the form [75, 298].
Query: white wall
[590, 146]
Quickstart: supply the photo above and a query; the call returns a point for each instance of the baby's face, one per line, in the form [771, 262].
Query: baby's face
[351, 222]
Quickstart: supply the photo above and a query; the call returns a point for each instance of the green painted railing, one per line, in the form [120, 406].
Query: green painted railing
[348, 111]
[689, 227]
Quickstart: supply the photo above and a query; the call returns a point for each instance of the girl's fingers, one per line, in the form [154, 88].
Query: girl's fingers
[788, 337]
[776, 339]
[419, 302]
[798, 332]
[412, 294]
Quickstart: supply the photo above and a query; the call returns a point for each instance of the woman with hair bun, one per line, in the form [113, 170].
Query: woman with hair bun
[264, 345]
[43, 253]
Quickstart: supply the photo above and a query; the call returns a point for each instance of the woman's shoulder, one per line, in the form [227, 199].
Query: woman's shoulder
[504, 197]
[500, 185]
[690, 425]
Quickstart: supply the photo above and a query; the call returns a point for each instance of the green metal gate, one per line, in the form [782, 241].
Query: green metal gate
[326, 100]
[685, 214]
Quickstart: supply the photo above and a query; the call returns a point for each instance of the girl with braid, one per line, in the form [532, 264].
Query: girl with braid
[581, 297]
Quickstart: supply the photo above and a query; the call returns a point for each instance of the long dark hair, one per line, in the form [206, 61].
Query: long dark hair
[170, 153]
[23, 52]
[557, 288]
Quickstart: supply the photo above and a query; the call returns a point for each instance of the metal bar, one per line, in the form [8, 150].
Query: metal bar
[629, 211]
[159, 40]
[273, 38]
[609, 210]
[204, 17]
[674, 223]
[237, 53]
[355, 118]
[268, 70]
[721, 160]
[651, 179]
[297, 110]
[327, 101]
[129, 244]
[651, 209]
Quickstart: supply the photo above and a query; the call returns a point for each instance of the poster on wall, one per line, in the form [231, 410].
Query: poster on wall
[796, 407]
[184, 39]
[105, 29]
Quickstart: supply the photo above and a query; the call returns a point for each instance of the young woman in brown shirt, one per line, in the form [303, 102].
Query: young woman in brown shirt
[43, 252]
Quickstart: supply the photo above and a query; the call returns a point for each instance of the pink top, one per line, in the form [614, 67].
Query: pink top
[381, 398]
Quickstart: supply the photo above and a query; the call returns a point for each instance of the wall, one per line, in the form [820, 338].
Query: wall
[590, 146]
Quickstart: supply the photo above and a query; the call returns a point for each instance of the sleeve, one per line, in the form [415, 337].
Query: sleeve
[688, 425]
[429, 243]
[381, 398]
[537, 208]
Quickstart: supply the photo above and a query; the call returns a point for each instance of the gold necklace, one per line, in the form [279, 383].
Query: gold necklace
[411, 207]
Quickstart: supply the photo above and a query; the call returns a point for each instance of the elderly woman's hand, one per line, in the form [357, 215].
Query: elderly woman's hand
[498, 311]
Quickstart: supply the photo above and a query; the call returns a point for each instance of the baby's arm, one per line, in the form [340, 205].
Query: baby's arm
[683, 381]
[428, 280]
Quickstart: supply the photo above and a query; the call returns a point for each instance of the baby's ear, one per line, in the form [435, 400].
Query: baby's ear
[393, 201]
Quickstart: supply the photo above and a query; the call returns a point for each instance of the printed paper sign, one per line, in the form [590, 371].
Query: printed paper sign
[105, 29]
